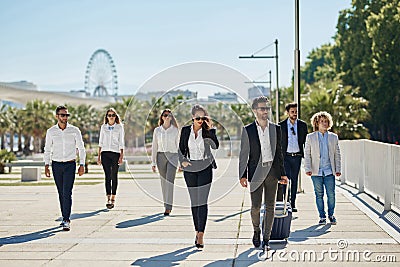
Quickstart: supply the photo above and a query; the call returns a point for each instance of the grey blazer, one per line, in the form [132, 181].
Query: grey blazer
[312, 155]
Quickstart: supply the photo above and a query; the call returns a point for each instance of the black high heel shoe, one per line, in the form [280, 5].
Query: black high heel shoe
[167, 212]
[198, 245]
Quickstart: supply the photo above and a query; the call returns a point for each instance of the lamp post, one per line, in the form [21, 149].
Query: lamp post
[297, 59]
[277, 74]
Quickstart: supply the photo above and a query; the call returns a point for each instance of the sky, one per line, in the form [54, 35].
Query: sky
[49, 43]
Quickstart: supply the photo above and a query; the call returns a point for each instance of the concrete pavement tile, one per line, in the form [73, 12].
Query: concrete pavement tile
[32, 247]
[22, 263]
[28, 255]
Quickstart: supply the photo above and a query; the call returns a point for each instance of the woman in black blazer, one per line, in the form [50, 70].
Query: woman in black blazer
[197, 162]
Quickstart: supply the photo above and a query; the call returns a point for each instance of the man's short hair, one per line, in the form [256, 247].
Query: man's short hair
[290, 105]
[60, 108]
[260, 99]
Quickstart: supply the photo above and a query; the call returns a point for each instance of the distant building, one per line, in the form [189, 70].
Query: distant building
[23, 85]
[80, 93]
[10, 104]
[257, 91]
[166, 96]
[224, 97]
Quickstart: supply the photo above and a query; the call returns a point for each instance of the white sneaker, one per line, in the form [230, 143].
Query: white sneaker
[66, 226]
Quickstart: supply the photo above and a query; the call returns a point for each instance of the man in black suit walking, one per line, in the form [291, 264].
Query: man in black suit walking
[294, 132]
[261, 167]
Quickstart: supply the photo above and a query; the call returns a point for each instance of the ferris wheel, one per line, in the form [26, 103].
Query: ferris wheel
[101, 74]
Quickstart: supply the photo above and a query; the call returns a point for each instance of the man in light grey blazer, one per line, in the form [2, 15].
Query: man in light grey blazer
[322, 162]
[261, 165]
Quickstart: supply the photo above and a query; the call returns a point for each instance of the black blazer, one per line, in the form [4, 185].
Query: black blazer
[210, 141]
[301, 135]
[250, 152]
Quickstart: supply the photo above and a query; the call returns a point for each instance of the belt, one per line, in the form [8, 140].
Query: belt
[266, 164]
[72, 160]
[293, 154]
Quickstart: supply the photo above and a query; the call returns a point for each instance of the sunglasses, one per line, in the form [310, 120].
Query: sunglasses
[201, 118]
[111, 115]
[293, 132]
[63, 115]
[167, 115]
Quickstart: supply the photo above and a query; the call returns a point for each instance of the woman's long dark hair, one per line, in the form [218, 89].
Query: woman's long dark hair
[204, 126]
[161, 120]
[117, 120]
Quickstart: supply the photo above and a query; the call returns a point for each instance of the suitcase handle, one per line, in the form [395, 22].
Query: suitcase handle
[286, 198]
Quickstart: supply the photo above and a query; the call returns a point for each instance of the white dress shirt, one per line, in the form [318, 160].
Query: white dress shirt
[196, 145]
[265, 142]
[112, 137]
[61, 145]
[164, 140]
[293, 143]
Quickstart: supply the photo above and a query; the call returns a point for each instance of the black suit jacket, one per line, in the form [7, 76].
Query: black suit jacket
[210, 142]
[250, 152]
[301, 135]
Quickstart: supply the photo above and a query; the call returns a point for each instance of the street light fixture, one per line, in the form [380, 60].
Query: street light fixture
[277, 74]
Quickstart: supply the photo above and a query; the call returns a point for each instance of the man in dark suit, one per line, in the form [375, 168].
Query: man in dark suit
[261, 167]
[294, 132]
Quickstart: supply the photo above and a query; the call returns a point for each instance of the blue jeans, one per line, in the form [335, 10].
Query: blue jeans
[329, 183]
[64, 177]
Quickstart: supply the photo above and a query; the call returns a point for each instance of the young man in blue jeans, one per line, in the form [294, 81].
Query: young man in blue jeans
[322, 162]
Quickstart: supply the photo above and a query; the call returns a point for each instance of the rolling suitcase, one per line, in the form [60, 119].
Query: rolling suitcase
[282, 219]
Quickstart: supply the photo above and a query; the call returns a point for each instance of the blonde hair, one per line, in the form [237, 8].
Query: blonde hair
[317, 116]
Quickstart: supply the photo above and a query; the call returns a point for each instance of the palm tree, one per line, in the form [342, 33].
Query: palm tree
[13, 118]
[4, 124]
[86, 118]
[241, 115]
[39, 117]
[347, 109]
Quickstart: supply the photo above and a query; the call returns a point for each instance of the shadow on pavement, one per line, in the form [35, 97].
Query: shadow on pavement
[141, 221]
[231, 215]
[246, 258]
[75, 216]
[17, 239]
[390, 217]
[309, 232]
[86, 214]
[174, 258]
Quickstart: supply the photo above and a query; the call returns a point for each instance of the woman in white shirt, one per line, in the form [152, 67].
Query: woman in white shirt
[165, 155]
[111, 152]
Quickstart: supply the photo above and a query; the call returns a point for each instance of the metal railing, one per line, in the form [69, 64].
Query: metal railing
[372, 167]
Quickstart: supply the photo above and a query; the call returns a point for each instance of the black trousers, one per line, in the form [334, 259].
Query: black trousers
[292, 168]
[109, 160]
[199, 184]
[64, 177]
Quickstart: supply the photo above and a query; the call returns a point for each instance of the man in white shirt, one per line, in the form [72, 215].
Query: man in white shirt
[62, 142]
[261, 167]
[294, 133]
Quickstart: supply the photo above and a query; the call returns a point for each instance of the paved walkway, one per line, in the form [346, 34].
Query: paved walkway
[135, 233]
